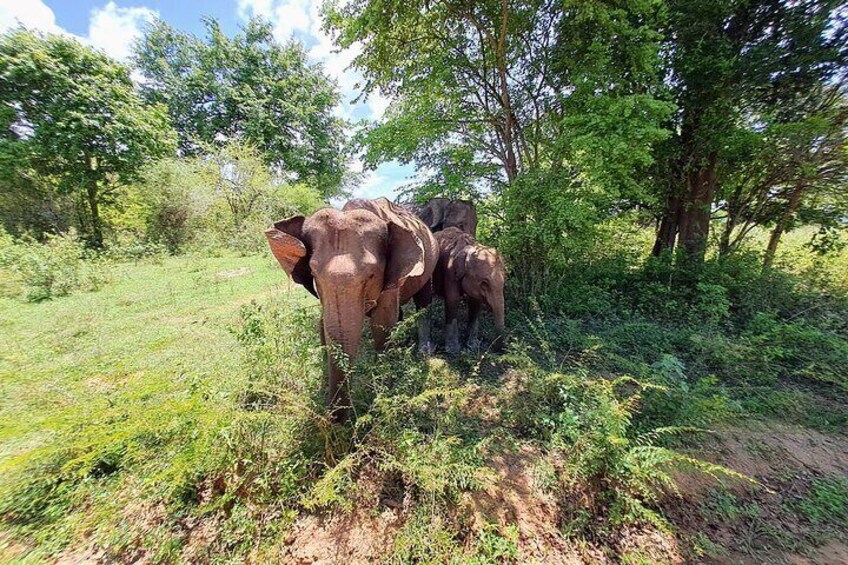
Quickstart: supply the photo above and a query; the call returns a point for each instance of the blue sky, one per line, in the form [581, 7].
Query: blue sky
[112, 26]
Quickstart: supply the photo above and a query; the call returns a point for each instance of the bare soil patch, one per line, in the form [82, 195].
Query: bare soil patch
[758, 524]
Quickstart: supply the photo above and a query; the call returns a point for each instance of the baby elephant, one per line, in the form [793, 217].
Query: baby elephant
[468, 269]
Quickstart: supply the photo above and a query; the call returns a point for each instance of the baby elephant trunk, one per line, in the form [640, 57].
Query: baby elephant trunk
[498, 312]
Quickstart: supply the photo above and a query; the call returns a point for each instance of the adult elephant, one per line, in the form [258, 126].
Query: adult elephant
[367, 259]
[443, 213]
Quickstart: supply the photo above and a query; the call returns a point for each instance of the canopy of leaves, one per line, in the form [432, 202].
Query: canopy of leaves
[71, 121]
[486, 91]
[248, 88]
[71, 114]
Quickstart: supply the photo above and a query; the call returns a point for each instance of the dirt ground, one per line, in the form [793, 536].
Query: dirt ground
[711, 522]
[783, 459]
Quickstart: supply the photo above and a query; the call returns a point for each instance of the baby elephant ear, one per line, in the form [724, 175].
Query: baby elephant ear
[458, 260]
[405, 256]
[286, 241]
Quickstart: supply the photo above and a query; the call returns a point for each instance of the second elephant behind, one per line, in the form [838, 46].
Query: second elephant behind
[467, 269]
[442, 213]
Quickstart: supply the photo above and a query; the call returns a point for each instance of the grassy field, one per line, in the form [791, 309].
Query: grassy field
[138, 357]
[153, 334]
[176, 415]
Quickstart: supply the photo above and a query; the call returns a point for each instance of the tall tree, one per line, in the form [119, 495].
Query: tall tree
[485, 91]
[782, 168]
[728, 60]
[547, 108]
[249, 88]
[69, 114]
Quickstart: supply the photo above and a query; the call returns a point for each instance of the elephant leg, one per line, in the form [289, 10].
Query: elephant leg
[472, 341]
[384, 317]
[452, 300]
[423, 298]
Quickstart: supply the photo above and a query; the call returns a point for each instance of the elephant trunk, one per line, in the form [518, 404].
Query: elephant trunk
[342, 321]
[498, 310]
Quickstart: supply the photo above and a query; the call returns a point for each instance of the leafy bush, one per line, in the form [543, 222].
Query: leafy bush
[58, 267]
[602, 462]
[253, 452]
[134, 250]
[224, 198]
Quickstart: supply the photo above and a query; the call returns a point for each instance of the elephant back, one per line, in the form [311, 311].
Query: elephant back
[392, 213]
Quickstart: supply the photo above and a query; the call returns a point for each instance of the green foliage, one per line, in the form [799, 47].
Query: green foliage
[59, 266]
[242, 439]
[222, 199]
[136, 423]
[97, 450]
[243, 199]
[74, 118]
[590, 423]
[248, 88]
[169, 198]
[827, 502]
[549, 110]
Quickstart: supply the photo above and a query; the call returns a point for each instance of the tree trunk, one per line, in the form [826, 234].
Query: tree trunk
[734, 207]
[694, 227]
[96, 236]
[724, 243]
[667, 233]
[782, 224]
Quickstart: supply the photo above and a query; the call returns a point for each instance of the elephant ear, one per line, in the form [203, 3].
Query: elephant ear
[458, 261]
[286, 240]
[428, 216]
[405, 256]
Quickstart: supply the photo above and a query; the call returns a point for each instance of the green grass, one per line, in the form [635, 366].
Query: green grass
[154, 332]
[189, 390]
[120, 389]
[187, 393]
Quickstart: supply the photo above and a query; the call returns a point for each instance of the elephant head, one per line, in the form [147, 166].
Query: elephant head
[482, 275]
[358, 263]
[442, 213]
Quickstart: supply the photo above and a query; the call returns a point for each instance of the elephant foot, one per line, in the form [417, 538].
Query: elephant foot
[473, 345]
[425, 349]
[452, 349]
[499, 346]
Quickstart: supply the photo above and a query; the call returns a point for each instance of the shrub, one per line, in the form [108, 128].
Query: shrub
[135, 250]
[604, 466]
[57, 267]
[799, 349]
[827, 502]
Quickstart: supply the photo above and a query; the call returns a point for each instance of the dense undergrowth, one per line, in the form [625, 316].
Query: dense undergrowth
[606, 383]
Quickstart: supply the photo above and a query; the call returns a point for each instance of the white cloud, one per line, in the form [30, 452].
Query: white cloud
[110, 28]
[291, 16]
[33, 14]
[302, 19]
[378, 104]
[248, 8]
[113, 29]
